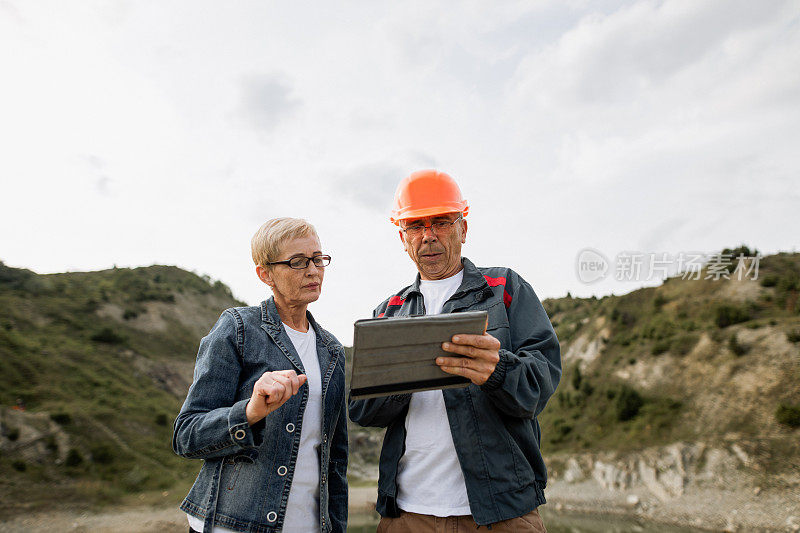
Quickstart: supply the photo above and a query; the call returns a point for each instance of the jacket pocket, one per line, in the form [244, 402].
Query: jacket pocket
[233, 466]
[234, 475]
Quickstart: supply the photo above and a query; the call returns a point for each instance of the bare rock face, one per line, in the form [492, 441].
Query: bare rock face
[588, 347]
[573, 471]
[665, 472]
[611, 476]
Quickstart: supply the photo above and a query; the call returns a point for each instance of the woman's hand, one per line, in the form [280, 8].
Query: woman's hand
[272, 390]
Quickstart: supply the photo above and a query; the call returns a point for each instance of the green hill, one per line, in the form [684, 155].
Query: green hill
[689, 360]
[101, 362]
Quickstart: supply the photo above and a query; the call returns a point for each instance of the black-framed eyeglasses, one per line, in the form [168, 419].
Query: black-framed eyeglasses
[301, 262]
[439, 227]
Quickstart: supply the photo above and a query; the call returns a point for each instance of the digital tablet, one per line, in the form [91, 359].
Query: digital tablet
[398, 355]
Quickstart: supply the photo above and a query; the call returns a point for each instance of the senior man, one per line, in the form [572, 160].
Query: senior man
[460, 458]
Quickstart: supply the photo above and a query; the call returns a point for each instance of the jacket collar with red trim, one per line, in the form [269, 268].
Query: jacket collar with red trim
[473, 280]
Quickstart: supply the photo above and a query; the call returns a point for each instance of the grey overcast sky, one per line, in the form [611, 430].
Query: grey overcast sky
[134, 133]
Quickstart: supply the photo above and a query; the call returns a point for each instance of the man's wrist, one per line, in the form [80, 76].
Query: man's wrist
[497, 377]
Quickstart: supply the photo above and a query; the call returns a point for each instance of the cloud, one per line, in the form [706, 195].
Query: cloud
[265, 101]
[102, 185]
[372, 186]
[616, 57]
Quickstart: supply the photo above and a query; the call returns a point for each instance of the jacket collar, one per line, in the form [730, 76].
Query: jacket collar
[271, 319]
[473, 280]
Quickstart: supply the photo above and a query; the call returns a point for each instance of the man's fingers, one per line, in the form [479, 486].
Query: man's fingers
[484, 341]
[476, 377]
[476, 365]
[453, 361]
[469, 351]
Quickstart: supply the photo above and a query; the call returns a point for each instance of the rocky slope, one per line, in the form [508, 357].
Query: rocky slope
[680, 402]
[95, 366]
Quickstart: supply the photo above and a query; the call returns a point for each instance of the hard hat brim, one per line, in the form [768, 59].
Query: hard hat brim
[426, 212]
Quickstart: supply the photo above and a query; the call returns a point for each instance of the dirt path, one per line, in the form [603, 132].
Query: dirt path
[140, 519]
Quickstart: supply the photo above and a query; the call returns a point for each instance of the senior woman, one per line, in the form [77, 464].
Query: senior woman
[266, 408]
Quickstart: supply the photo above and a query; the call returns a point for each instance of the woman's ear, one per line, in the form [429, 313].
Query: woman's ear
[264, 275]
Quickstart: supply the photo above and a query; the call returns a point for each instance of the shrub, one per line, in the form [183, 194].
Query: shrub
[737, 348]
[727, 315]
[770, 280]
[684, 344]
[659, 301]
[19, 466]
[576, 377]
[793, 336]
[74, 458]
[102, 454]
[788, 415]
[661, 347]
[108, 336]
[61, 418]
[129, 314]
[12, 434]
[161, 419]
[627, 404]
[627, 319]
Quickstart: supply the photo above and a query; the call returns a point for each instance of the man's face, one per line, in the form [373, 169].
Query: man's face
[437, 253]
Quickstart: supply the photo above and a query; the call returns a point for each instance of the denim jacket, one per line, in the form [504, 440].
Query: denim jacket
[494, 427]
[247, 471]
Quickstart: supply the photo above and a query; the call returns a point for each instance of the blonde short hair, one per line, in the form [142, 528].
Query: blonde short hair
[265, 245]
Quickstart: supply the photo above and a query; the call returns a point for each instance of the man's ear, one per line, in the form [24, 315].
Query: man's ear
[264, 275]
[464, 231]
[403, 240]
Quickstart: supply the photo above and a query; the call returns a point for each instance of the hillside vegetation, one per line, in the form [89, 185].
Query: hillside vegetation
[690, 360]
[101, 362]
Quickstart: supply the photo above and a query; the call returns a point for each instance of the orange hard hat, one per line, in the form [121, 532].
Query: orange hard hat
[426, 193]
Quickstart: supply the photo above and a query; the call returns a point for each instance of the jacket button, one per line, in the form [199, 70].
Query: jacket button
[282, 470]
[324, 437]
[240, 434]
[290, 427]
[272, 516]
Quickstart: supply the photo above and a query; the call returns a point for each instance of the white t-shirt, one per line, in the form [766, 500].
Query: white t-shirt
[429, 477]
[302, 508]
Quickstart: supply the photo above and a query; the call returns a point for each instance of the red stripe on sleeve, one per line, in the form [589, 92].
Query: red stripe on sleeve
[395, 300]
[494, 282]
[506, 298]
[500, 282]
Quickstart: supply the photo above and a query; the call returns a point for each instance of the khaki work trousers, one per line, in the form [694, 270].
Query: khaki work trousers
[422, 523]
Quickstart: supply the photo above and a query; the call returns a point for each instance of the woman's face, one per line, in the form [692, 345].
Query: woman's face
[290, 286]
